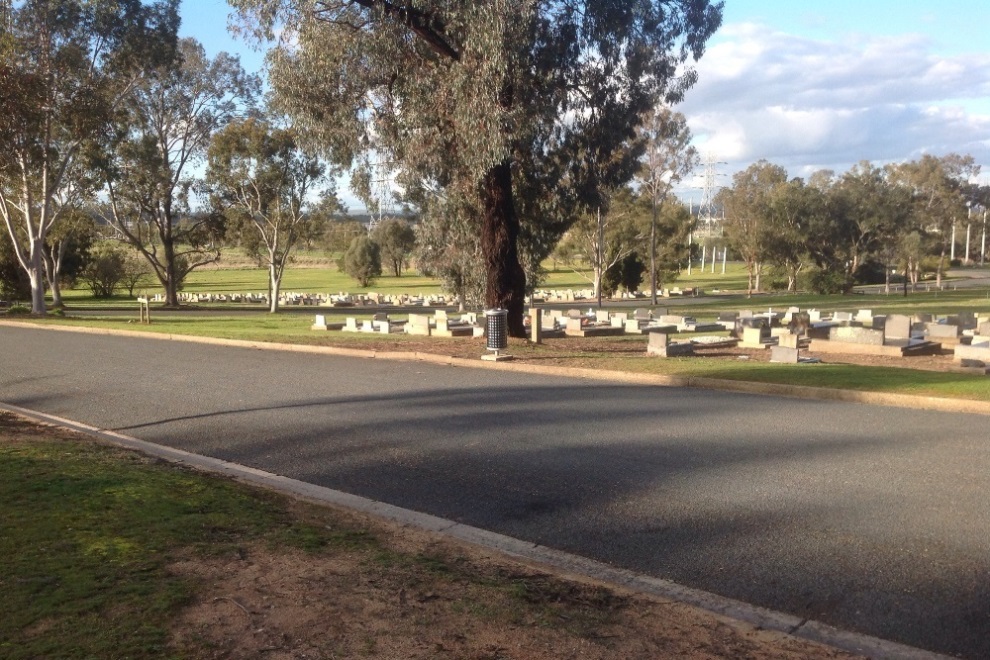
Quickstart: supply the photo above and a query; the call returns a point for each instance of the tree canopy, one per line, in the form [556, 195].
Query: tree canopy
[464, 96]
[66, 67]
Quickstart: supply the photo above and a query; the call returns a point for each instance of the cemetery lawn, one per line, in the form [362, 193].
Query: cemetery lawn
[108, 553]
[932, 376]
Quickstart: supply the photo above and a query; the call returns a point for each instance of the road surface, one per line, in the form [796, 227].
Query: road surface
[871, 519]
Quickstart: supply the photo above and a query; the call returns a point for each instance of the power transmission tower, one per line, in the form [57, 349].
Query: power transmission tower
[709, 218]
[381, 190]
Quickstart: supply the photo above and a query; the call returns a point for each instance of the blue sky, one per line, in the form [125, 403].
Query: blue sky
[809, 84]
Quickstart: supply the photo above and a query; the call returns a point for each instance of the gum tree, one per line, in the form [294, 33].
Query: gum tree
[668, 159]
[66, 68]
[261, 179]
[466, 92]
[150, 170]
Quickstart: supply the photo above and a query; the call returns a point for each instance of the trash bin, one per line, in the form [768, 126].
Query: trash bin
[496, 326]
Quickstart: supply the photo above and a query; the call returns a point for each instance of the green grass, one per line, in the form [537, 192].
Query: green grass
[86, 534]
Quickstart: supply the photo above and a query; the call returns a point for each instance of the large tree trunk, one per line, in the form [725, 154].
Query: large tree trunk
[170, 283]
[505, 287]
[53, 264]
[36, 273]
[274, 284]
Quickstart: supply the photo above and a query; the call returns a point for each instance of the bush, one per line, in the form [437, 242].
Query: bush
[363, 261]
[870, 272]
[955, 263]
[107, 266]
[18, 310]
[825, 282]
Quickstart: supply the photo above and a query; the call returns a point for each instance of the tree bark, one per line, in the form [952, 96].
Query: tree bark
[171, 289]
[505, 286]
[274, 283]
[36, 274]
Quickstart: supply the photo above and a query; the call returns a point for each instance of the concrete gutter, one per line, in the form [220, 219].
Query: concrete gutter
[747, 387]
[542, 557]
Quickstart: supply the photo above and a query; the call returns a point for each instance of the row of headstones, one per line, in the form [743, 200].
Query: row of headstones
[639, 321]
[570, 295]
[317, 299]
[440, 324]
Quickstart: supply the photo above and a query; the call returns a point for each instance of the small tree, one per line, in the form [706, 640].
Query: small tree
[363, 261]
[106, 267]
[135, 270]
[397, 240]
[261, 177]
[668, 159]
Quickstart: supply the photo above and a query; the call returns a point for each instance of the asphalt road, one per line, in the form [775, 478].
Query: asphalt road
[871, 519]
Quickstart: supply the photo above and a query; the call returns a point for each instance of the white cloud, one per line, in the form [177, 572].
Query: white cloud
[808, 104]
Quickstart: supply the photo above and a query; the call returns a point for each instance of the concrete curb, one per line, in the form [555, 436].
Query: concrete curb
[562, 563]
[746, 387]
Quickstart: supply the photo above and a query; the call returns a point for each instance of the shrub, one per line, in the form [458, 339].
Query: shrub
[106, 268]
[363, 261]
[18, 310]
[826, 282]
[870, 272]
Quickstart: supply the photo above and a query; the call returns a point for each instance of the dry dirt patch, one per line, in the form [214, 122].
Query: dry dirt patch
[428, 597]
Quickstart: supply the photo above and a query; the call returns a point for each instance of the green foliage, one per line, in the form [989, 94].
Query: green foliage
[18, 310]
[261, 177]
[826, 282]
[14, 282]
[148, 170]
[105, 268]
[516, 109]
[396, 240]
[362, 261]
[68, 66]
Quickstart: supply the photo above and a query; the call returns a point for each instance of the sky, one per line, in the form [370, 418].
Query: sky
[806, 84]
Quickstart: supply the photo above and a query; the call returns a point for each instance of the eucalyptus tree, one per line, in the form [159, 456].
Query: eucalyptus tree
[668, 159]
[460, 91]
[150, 170]
[396, 240]
[604, 237]
[262, 179]
[748, 215]
[937, 186]
[792, 205]
[66, 67]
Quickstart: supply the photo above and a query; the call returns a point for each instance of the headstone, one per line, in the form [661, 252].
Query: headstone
[937, 331]
[642, 315]
[618, 319]
[785, 354]
[983, 329]
[659, 345]
[535, 325]
[320, 323]
[418, 324]
[755, 337]
[856, 335]
[788, 339]
[967, 320]
[897, 326]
